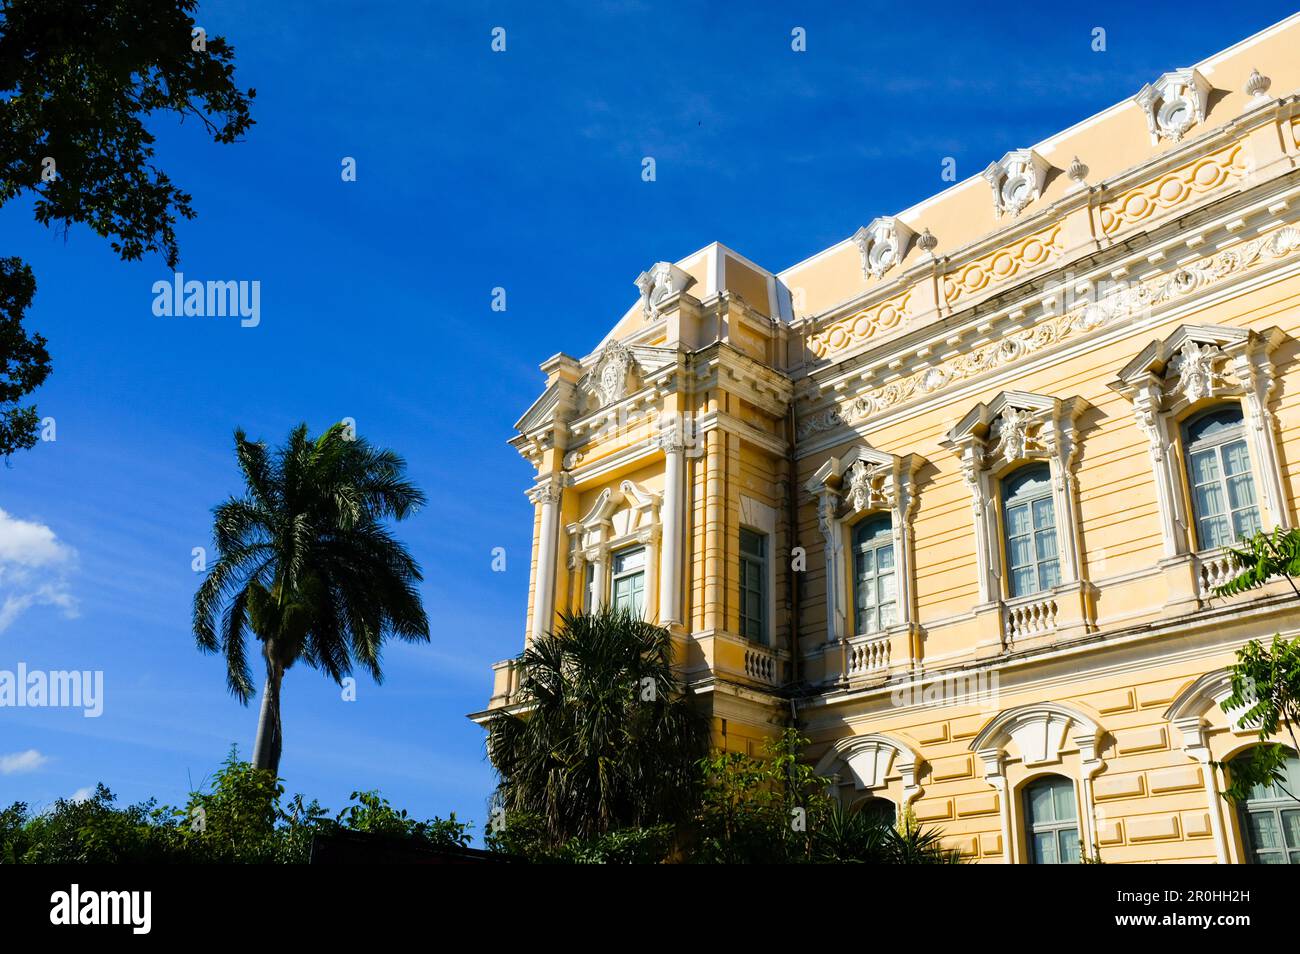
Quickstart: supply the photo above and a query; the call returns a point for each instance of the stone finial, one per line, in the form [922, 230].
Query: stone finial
[1257, 84]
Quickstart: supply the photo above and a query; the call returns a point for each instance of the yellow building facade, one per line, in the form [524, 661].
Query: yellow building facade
[953, 493]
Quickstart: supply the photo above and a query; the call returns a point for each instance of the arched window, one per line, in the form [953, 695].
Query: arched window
[1052, 822]
[1270, 820]
[878, 811]
[1029, 524]
[875, 591]
[1218, 472]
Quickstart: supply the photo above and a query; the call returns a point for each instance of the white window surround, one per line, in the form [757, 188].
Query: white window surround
[863, 482]
[995, 439]
[1017, 180]
[1188, 715]
[622, 518]
[1196, 367]
[1174, 103]
[870, 759]
[882, 244]
[758, 516]
[1039, 733]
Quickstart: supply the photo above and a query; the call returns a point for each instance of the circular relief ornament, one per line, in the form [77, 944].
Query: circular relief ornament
[1176, 117]
[882, 257]
[1017, 191]
[1091, 317]
[1184, 281]
[933, 379]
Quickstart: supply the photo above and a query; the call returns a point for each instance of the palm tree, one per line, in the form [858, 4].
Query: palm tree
[603, 738]
[304, 561]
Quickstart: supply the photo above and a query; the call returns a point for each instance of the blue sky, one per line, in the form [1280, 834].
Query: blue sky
[475, 170]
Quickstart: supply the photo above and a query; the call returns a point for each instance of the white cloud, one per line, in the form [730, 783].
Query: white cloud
[82, 794]
[19, 762]
[34, 568]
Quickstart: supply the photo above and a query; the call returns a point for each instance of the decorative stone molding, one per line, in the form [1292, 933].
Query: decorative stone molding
[611, 378]
[657, 284]
[870, 759]
[865, 480]
[1077, 171]
[883, 245]
[1039, 733]
[1004, 264]
[875, 320]
[995, 438]
[1192, 368]
[1130, 301]
[1175, 188]
[1257, 85]
[1017, 180]
[1190, 708]
[1174, 103]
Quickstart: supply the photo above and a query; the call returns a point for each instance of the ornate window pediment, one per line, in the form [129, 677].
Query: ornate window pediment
[870, 760]
[657, 284]
[1174, 103]
[1017, 180]
[1189, 712]
[628, 514]
[1191, 368]
[1198, 362]
[1039, 733]
[883, 245]
[1017, 426]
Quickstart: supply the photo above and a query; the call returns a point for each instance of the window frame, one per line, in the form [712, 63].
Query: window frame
[1236, 434]
[1274, 807]
[1030, 827]
[879, 542]
[1006, 502]
[759, 562]
[615, 576]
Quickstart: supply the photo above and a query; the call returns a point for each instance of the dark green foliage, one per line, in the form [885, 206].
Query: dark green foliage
[80, 78]
[775, 810]
[240, 820]
[525, 837]
[1266, 687]
[24, 362]
[759, 809]
[1265, 679]
[1264, 557]
[604, 739]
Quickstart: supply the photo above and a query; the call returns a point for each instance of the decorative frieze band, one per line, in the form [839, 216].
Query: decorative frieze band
[1174, 188]
[1128, 301]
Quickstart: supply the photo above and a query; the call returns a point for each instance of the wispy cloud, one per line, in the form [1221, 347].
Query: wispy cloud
[19, 762]
[34, 569]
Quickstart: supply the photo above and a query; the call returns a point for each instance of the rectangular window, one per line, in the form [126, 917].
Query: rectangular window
[753, 585]
[627, 585]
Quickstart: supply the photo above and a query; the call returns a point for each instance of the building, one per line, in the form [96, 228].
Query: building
[954, 491]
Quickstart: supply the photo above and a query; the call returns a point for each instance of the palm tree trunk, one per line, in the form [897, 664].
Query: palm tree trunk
[266, 750]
